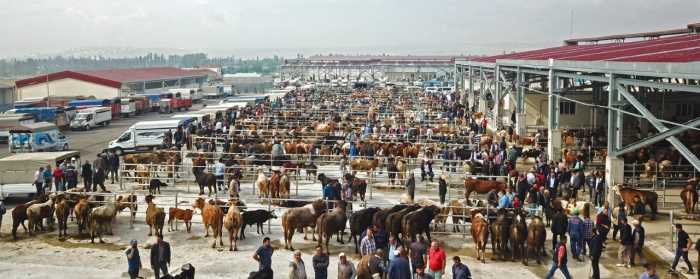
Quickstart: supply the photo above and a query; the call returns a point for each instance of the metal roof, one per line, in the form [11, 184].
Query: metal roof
[115, 77]
[367, 59]
[682, 48]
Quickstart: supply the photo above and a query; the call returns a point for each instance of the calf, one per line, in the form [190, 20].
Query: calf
[154, 185]
[180, 214]
[257, 217]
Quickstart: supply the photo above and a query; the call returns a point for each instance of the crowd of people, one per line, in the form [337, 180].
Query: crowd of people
[68, 173]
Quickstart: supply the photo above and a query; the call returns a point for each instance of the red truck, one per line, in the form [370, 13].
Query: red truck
[177, 102]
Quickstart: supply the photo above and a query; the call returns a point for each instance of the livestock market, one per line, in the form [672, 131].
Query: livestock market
[513, 165]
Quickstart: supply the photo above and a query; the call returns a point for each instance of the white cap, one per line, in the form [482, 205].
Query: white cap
[341, 255]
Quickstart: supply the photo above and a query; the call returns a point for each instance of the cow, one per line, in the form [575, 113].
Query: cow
[19, 214]
[311, 170]
[481, 187]
[378, 220]
[232, 223]
[82, 214]
[129, 202]
[299, 218]
[518, 236]
[180, 214]
[393, 221]
[212, 216]
[418, 222]
[689, 196]
[330, 223]
[155, 217]
[649, 198]
[357, 186]
[62, 211]
[359, 222]
[364, 165]
[101, 220]
[36, 213]
[480, 234]
[536, 236]
[257, 217]
[262, 183]
[500, 234]
[154, 185]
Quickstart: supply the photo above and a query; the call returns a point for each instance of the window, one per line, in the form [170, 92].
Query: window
[567, 107]
[684, 109]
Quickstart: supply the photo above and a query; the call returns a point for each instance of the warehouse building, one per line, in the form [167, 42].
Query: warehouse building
[7, 95]
[248, 82]
[108, 84]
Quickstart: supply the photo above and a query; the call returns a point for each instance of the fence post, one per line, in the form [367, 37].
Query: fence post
[664, 200]
[176, 203]
[120, 176]
[673, 249]
[269, 221]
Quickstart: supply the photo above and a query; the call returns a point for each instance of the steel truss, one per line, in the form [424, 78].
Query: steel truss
[620, 79]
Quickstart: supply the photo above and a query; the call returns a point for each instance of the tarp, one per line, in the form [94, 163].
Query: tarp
[90, 103]
[20, 168]
[47, 114]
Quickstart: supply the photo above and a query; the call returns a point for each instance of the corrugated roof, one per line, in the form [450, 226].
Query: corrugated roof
[377, 59]
[115, 77]
[682, 48]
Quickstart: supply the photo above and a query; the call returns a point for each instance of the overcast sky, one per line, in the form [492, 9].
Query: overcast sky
[286, 27]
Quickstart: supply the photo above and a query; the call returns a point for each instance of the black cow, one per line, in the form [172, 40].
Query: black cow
[417, 222]
[359, 222]
[154, 185]
[257, 217]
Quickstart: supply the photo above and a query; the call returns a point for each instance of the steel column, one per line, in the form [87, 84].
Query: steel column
[496, 99]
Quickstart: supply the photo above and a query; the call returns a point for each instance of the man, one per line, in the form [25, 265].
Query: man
[39, 181]
[558, 228]
[588, 228]
[297, 270]
[133, 259]
[504, 201]
[420, 274]
[596, 249]
[683, 246]
[3, 210]
[442, 188]
[346, 270]
[411, 186]
[99, 179]
[264, 257]
[47, 178]
[637, 243]
[399, 268]
[58, 179]
[650, 272]
[418, 253]
[367, 245]
[602, 223]
[320, 262]
[625, 250]
[113, 166]
[600, 187]
[436, 260]
[559, 260]
[86, 174]
[576, 235]
[393, 247]
[160, 256]
[219, 168]
[621, 214]
[460, 270]
[179, 137]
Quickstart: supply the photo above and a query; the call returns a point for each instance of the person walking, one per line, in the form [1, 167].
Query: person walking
[436, 260]
[588, 228]
[39, 181]
[297, 270]
[460, 270]
[399, 268]
[637, 242]
[600, 187]
[367, 245]
[649, 272]
[320, 262]
[160, 256]
[626, 240]
[3, 210]
[86, 174]
[595, 246]
[683, 246]
[621, 214]
[264, 258]
[418, 252]
[559, 260]
[442, 188]
[411, 186]
[576, 235]
[602, 223]
[219, 168]
[133, 259]
[99, 179]
[346, 269]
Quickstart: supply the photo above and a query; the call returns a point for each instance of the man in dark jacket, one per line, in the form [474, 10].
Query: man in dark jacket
[460, 270]
[320, 262]
[399, 268]
[113, 161]
[637, 242]
[596, 245]
[411, 186]
[625, 243]
[442, 188]
[559, 226]
[160, 257]
[86, 174]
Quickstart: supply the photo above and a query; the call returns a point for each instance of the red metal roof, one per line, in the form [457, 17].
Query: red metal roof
[682, 48]
[404, 59]
[114, 77]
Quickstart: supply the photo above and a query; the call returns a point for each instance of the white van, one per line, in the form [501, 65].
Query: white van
[88, 118]
[128, 107]
[144, 135]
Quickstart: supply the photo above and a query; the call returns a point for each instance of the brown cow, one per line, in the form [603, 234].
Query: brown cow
[481, 187]
[364, 165]
[647, 197]
[300, 218]
[518, 236]
[36, 213]
[330, 223]
[459, 213]
[155, 217]
[62, 211]
[212, 216]
[101, 220]
[19, 214]
[480, 234]
[233, 222]
[500, 235]
[285, 185]
[536, 236]
[401, 168]
[129, 202]
[180, 214]
[274, 185]
[262, 183]
[689, 195]
[82, 213]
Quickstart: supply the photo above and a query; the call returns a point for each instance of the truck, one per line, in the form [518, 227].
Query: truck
[128, 107]
[11, 121]
[17, 170]
[35, 137]
[88, 118]
[144, 136]
[59, 116]
[194, 94]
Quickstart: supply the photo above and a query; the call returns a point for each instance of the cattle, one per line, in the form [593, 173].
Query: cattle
[311, 170]
[393, 220]
[62, 211]
[36, 213]
[401, 168]
[359, 222]
[536, 236]
[299, 218]
[19, 214]
[155, 217]
[364, 165]
[480, 234]
[285, 186]
[518, 236]
[262, 183]
[82, 214]
[154, 185]
[129, 202]
[330, 223]
[212, 216]
[689, 196]
[370, 267]
[500, 234]
[648, 198]
[459, 213]
[257, 217]
[232, 223]
[180, 214]
[101, 220]
[274, 185]
[378, 220]
[391, 170]
[418, 222]
[357, 186]
[481, 187]
[530, 153]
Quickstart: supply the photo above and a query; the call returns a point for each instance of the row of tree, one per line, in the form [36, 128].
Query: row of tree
[230, 65]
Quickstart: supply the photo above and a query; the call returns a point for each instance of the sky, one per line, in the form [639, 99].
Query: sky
[288, 27]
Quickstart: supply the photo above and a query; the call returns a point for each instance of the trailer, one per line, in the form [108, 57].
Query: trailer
[40, 136]
[8, 122]
[59, 116]
[128, 107]
[88, 118]
[17, 171]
